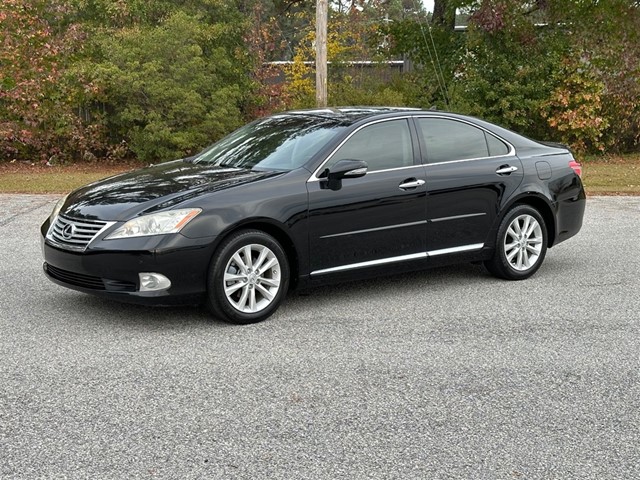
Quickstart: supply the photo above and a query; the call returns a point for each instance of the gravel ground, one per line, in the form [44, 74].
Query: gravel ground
[447, 373]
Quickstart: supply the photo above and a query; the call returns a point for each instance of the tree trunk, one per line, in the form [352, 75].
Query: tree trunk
[444, 14]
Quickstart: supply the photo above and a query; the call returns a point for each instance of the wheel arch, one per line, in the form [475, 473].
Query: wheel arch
[534, 200]
[276, 231]
[542, 205]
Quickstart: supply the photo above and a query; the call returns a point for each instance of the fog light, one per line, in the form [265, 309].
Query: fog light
[151, 282]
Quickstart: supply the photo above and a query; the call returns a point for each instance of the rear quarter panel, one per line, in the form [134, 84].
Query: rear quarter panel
[548, 176]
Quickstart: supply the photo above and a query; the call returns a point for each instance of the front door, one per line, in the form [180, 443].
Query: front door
[375, 219]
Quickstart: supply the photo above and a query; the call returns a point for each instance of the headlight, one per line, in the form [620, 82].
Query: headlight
[58, 207]
[156, 224]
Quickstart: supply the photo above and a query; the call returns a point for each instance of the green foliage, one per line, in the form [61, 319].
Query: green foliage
[435, 52]
[550, 69]
[92, 78]
[171, 88]
[507, 79]
[116, 14]
[365, 92]
[610, 43]
[354, 75]
[158, 79]
[603, 82]
[575, 109]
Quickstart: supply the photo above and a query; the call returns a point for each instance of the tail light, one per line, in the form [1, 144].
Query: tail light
[577, 167]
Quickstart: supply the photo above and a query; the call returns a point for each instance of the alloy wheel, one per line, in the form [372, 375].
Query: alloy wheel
[523, 242]
[252, 278]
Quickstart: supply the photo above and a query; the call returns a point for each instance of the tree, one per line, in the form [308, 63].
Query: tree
[36, 107]
[171, 88]
[551, 69]
[444, 13]
[95, 78]
[354, 35]
[582, 58]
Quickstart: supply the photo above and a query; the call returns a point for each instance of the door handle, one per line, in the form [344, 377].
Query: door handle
[410, 183]
[506, 170]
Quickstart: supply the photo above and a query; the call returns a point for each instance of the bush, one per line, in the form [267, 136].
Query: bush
[508, 76]
[169, 88]
[574, 110]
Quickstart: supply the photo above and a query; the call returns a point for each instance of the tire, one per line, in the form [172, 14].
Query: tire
[521, 244]
[239, 289]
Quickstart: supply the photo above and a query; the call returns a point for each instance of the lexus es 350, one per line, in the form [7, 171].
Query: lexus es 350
[310, 197]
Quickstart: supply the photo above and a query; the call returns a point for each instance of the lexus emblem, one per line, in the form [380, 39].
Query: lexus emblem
[68, 231]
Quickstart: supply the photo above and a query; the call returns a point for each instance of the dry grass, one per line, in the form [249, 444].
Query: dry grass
[612, 175]
[27, 178]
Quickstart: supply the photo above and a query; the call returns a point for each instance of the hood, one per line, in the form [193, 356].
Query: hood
[153, 188]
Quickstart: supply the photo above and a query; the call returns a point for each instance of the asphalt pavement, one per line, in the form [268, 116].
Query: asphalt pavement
[447, 373]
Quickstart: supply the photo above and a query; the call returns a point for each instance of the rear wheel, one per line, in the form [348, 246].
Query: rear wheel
[248, 278]
[521, 244]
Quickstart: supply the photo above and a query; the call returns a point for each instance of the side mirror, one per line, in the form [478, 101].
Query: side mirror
[348, 169]
[332, 178]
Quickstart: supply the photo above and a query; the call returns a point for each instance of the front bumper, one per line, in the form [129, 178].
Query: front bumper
[110, 268]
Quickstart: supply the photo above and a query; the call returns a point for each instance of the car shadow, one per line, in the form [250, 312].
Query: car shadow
[179, 317]
[105, 310]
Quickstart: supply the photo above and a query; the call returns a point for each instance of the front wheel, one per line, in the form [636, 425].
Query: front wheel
[521, 244]
[248, 278]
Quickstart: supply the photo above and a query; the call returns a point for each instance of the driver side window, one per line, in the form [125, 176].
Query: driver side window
[383, 146]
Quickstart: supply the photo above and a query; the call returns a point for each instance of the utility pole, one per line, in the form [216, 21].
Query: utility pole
[322, 13]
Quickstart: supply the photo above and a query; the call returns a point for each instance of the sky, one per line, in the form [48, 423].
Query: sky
[428, 4]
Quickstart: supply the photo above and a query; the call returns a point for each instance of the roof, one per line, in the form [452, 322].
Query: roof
[350, 114]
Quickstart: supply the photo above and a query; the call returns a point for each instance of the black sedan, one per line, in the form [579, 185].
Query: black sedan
[310, 197]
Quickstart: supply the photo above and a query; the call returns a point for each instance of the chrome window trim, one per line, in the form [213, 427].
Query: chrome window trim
[314, 176]
[377, 229]
[511, 153]
[401, 258]
[466, 160]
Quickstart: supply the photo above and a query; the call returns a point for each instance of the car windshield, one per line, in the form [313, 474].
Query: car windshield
[281, 142]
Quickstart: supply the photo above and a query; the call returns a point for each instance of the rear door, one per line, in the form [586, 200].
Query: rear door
[469, 173]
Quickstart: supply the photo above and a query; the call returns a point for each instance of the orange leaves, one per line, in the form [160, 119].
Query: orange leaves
[37, 115]
[575, 109]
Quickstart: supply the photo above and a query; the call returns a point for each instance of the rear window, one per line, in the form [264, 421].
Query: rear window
[496, 146]
[448, 140]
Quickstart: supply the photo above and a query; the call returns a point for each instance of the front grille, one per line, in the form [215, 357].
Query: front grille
[88, 281]
[73, 234]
